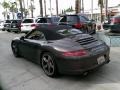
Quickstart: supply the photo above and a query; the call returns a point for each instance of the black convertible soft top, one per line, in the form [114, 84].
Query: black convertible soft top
[50, 31]
[53, 27]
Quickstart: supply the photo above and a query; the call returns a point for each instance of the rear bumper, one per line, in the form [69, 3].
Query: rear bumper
[76, 66]
[14, 29]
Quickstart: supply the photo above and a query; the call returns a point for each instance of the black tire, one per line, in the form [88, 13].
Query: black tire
[49, 65]
[15, 49]
[8, 30]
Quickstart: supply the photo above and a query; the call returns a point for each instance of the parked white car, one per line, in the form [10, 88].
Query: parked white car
[28, 24]
[1, 25]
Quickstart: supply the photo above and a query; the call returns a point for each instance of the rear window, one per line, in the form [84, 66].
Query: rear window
[56, 19]
[83, 19]
[68, 32]
[7, 21]
[28, 21]
[44, 20]
[72, 19]
[14, 21]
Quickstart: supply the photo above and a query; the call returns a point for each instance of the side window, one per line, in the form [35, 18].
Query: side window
[36, 35]
[72, 19]
[83, 19]
[42, 20]
[63, 19]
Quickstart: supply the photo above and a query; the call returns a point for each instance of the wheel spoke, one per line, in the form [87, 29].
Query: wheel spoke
[45, 66]
[45, 60]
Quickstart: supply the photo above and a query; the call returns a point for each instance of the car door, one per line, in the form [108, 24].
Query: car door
[31, 45]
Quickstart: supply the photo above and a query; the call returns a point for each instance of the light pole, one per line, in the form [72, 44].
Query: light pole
[91, 9]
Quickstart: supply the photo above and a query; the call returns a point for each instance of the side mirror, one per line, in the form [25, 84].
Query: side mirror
[22, 38]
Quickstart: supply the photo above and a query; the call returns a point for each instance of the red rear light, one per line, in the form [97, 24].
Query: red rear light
[115, 20]
[75, 53]
[21, 25]
[78, 25]
[33, 25]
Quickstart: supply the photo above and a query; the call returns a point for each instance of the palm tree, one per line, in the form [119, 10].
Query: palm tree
[78, 6]
[13, 8]
[82, 6]
[101, 5]
[6, 6]
[21, 8]
[45, 7]
[32, 7]
[41, 8]
[106, 8]
[57, 7]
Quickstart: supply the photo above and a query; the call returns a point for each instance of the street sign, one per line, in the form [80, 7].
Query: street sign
[19, 15]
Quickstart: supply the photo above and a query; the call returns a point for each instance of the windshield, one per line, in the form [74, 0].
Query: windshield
[69, 32]
[7, 21]
[28, 21]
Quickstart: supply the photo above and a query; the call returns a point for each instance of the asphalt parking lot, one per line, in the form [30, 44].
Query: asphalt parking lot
[20, 74]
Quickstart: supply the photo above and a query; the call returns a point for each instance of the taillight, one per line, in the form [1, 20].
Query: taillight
[21, 25]
[115, 21]
[78, 25]
[33, 25]
[75, 53]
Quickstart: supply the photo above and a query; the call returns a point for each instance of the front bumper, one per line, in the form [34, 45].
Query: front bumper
[75, 66]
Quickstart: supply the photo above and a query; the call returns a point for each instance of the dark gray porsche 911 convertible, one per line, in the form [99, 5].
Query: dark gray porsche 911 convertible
[61, 49]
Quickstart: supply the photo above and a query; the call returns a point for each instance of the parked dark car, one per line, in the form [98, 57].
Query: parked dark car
[106, 24]
[45, 21]
[113, 24]
[61, 49]
[15, 26]
[7, 25]
[79, 22]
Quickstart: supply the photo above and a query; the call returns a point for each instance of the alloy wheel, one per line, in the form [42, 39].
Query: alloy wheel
[48, 64]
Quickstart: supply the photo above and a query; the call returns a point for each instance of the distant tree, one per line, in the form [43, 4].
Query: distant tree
[6, 6]
[13, 9]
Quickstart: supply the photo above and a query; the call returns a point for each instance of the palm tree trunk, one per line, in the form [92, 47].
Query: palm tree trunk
[24, 6]
[82, 6]
[21, 8]
[31, 2]
[57, 7]
[45, 7]
[101, 13]
[106, 8]
[78, 6]
[41, 8]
